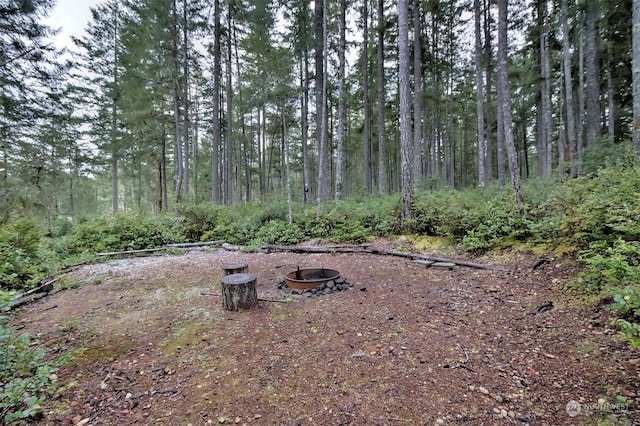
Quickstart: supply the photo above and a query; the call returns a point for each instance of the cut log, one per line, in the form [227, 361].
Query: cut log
[238, 291]
[235, 268]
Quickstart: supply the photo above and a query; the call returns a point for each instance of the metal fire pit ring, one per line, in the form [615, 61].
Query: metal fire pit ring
[304, 279]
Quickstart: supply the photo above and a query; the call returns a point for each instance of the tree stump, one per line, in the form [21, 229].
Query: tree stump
[235, 268]
[238, 291]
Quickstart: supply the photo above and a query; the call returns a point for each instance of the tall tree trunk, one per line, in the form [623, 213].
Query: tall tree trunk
[636, 77]
[611, 104]
[341, 101]
[382, 158]
[417, 98]
[113, 137]
[185, 78]
[304, 71]
[177, 142]
[500, 136]
[482, 176]
[570, 107]
[216, 139]
[545, 86]
[488, 90]
[405, 109]
[228, 141]
[503, 81]
[286, 172]
[367, 166]
[580, 125]
[323, 152]
[592, 62]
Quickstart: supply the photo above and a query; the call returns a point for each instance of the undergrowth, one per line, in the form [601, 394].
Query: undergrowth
[27, 374]
[595, 217]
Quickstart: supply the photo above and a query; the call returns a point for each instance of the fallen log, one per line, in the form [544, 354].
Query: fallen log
[202, 244]
[378, 250]
[313, 249]
[118, 253]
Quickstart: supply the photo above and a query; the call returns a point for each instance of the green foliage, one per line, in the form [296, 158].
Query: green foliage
[612, 266]
[627, 302]
[24, 261]
[26, 376]
[125, 231]
[479, 219]
[278, 232]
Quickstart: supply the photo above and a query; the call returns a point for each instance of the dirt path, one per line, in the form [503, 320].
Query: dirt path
[405, 346]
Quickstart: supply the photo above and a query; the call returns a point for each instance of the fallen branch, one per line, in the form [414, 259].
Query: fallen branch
[374, 250]
[118, 253]
[202, 244]
[378, 250]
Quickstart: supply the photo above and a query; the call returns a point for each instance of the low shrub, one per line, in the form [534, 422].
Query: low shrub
[27, 377]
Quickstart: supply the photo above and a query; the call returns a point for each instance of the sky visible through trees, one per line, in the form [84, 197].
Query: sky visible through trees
[165, 102]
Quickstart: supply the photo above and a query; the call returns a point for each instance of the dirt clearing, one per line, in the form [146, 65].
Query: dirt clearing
[406, 345]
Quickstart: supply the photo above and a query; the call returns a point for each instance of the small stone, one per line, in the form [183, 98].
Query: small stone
[76, 419]
[511, 414]
[503, 413]
[238, 420]
[257, 416]
[221, 420]
[496, 410]
[483, 391]
[499, 399]
[601, 401]
[440, 422]
[128, 396]
[635, 361]
[83, 422]
[331, 284]
[53, 377]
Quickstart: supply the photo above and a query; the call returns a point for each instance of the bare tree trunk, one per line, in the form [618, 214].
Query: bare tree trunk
[304, 112]
[488, 117]
[367, 170]
[323, 154]
[114, 119]
[341, 101]
[417, 97]
[287, 176]
[580, 127]
[503, 81]
[216, 139]
[482, 178]
[636, 77]
[500, 136]
[405, 109]
[594, 115]
[382, 169]
[186, 128]
[228, 141]
[611, 105]
[545, 150]
[177, 142]
[570, 107]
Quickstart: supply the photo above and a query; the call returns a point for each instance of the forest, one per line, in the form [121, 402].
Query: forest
[485, 125]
